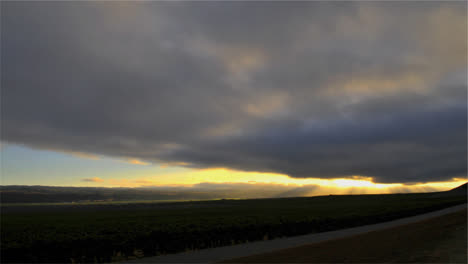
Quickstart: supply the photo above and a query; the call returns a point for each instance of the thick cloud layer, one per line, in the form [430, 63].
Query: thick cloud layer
[309, 89]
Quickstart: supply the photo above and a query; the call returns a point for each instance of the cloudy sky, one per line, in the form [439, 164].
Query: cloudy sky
[116, 93]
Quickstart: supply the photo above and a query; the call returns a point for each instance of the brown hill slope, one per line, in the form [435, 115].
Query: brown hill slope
[460, 189]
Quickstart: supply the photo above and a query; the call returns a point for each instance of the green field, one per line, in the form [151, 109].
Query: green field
[111, 232]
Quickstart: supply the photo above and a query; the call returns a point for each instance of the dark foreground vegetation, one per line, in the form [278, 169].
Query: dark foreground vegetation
[107, 233]
[441, 239]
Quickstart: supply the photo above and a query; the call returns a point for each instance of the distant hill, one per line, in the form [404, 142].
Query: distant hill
[462, 189]
[458, 191]
[52, 194]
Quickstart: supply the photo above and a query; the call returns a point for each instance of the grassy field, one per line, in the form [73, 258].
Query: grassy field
[439, 240]
[111, 232]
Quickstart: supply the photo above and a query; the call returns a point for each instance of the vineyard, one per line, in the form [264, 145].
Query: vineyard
[106, 233]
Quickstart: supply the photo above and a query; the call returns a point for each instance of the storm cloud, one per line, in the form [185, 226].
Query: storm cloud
[308, 89]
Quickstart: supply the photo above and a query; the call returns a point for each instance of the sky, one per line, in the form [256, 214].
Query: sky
[338, 94]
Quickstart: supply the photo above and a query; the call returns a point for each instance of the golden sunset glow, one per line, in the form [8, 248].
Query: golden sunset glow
[354, 184]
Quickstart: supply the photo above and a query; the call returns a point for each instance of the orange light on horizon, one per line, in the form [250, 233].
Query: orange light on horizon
[356, 183]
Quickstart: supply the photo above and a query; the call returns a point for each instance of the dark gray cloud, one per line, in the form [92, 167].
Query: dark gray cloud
[95, 179]
[309, 89]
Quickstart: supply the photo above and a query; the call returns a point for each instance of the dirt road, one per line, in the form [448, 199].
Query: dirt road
[213, 255]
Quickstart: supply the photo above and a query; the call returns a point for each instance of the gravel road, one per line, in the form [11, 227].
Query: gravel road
[213, 255]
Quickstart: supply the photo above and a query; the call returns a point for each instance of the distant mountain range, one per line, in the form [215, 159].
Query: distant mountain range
[203, 191]
[49, 194]
[52, 194]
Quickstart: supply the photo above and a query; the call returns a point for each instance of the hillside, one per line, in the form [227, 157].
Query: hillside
[462, 189]
[458, 191]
